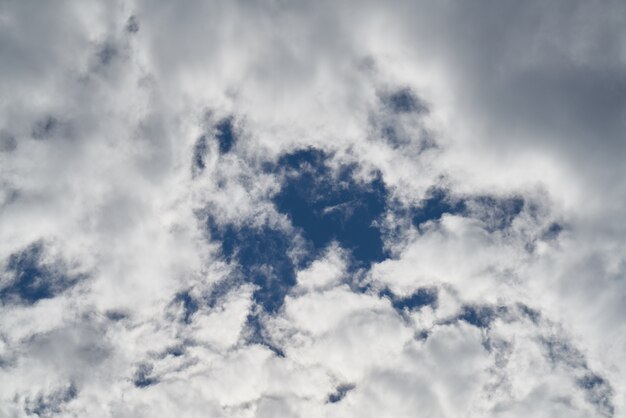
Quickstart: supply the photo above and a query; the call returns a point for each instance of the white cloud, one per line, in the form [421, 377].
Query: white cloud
[98, 125]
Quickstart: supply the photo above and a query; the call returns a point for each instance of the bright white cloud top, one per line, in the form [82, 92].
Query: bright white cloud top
[313, 209]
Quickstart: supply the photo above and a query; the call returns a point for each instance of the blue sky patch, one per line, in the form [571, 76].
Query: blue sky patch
[225, 135]
[340, 393]
[324, 206]
[404, 101]
[175, 351]
[199, 154]
[256, 334]
[226, 139]
[44, 405]
[598, 392]
[327, 205]
[532, 314]
[420, 298]
[143, 376]
[33, 279]
[559, 351]
[481, 316]
[438, 202]
[188, 304]
[115, 315]
[552, 231]
[262, 255]
[218, 291]
[495, 213]
[397, 137]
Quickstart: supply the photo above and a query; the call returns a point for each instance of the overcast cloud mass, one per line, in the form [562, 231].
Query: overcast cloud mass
[313, 209]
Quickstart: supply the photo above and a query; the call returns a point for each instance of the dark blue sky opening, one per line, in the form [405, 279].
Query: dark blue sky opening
[598, 392]
[256, 334]
[438, 203]
[404, 101]
[560, 351]
[188, 304]
[262, 255]
[34, 280]
[327, 205]
[421, 297]
[142, 377]
[394, 136]
[340, 393]
[50, 404]
[553, 231]
[532, 314]
[226, 139]
[591, 381]
[176, 350]
[219, 291]
[115, 315]
[481, 316]
[225, 135]
[199, 154]
[496, 213]
[323, 206]
[398, 137]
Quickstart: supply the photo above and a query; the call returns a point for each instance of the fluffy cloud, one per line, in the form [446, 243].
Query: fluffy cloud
[331, 209]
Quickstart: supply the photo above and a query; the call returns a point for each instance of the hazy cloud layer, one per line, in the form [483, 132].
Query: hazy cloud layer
[313, 209]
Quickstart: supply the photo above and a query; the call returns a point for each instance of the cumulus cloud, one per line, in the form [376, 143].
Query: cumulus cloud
[272, 209]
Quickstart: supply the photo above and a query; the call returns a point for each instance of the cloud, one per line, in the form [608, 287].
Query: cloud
[272, 209]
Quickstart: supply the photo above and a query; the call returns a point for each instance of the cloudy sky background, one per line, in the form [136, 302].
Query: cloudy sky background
[313, 209]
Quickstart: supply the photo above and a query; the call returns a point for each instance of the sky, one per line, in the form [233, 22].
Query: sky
[410, 208]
